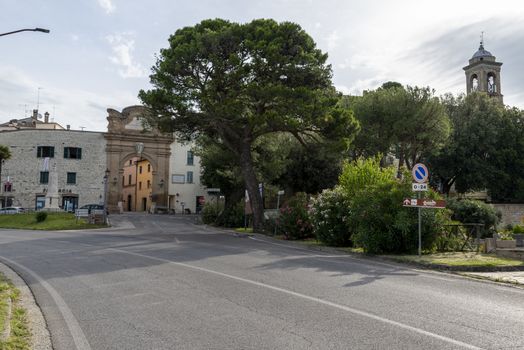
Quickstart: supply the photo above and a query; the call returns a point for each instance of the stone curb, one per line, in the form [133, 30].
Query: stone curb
[40, 337]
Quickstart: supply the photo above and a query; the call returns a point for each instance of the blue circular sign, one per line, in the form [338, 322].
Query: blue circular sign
[420, 173]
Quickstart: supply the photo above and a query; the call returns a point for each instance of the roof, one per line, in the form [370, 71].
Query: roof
[481, 52]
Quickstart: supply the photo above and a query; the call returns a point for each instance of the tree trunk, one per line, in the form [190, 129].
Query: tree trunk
[248, 171]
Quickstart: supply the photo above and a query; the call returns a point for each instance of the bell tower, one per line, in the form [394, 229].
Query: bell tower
[483, 73]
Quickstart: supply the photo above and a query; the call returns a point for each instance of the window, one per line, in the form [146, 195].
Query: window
[130, 162]
[178, 179]
[140, 185]
[189, 157]
[71, 178]
[140, 169]
[189, 177]
[45, 152]
[149, 168]
[148, 183]
[72, 153]
[123, 180]
[44, 177]
[130, 177]
[8, 187]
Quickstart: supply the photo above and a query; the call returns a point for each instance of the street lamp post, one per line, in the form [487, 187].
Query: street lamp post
[106, 178]
[42, 30]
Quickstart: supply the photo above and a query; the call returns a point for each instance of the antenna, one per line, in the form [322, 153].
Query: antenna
[482, 38]
[38, 98]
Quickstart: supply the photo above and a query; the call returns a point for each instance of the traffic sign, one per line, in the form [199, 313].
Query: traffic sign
[419, 187]
[424, 203]
[420, 173]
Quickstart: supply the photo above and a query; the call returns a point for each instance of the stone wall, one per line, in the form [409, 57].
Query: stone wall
[511, 214]
[24, 167]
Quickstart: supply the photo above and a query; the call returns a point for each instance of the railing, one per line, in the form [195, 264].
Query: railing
[461, 237]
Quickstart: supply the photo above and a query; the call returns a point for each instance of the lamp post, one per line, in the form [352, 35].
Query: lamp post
[106, 178]
[42, 30]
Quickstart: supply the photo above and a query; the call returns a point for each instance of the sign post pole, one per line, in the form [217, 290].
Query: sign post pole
[419, 230]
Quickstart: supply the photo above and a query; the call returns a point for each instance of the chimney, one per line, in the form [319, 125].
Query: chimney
[46, 117]
[68, 126]
[35, 114]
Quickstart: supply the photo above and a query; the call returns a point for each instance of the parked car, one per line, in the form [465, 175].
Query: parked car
[12, 210]
[92, 207]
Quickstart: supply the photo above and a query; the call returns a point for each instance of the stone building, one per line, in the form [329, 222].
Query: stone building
[58, 168]
[63, 167]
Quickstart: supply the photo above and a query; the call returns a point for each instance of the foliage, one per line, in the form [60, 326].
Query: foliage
[330, 215]
[311, 168]
[485, 149]
[506, 235]
[232, 216]
[41, 216]
[518, 229]
[294, 221]
[236, 82]
[408, 122]
[469, 211]
[210, 213]
[379, 221]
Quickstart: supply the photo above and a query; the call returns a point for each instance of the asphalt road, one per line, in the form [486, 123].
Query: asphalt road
[170, 284]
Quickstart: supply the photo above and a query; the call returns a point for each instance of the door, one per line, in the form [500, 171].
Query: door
[129, 198]
[144, 204]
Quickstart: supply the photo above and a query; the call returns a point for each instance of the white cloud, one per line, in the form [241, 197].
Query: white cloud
[123, 47]
[107, 5]
[332, 40]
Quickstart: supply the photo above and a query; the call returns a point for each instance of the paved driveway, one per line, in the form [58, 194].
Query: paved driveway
[162, 282]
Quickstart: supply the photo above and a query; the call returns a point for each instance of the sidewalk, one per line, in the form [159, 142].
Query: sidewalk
[514, 277]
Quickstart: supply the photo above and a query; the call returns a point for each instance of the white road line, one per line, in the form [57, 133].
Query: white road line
[77, 334]
[310, 298]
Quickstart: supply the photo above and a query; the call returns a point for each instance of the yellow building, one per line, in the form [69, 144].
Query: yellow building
[144, 185]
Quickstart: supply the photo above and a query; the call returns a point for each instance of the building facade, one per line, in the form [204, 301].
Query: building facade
[63, 167]
[186, 194]
[131, 168]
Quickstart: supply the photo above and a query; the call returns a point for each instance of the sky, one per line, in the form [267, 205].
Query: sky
[99, 53]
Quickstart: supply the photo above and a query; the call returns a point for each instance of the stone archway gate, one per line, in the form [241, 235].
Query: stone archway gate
[125, 139]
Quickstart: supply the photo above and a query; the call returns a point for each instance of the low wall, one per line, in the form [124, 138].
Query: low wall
[511, 214]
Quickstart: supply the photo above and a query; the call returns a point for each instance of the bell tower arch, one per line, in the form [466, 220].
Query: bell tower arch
[483, 73]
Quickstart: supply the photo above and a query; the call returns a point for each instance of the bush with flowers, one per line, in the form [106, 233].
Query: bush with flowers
[294, 222]
[330, 215]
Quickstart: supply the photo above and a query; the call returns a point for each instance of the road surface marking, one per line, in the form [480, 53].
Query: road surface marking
[77, 334]
[310, 298]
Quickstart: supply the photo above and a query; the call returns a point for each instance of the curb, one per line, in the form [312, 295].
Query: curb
[40, 336]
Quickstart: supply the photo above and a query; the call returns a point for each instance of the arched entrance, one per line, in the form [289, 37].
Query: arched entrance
[129, 147]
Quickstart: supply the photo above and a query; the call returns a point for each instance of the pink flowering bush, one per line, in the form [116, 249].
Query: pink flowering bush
[294, 220]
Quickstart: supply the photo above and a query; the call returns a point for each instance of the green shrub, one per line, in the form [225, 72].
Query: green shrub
[469, 211]
[379, 222]
[294, 220]
[210, 213]
[231, 217]
[41, 216]
[518, 229]
[330, 214]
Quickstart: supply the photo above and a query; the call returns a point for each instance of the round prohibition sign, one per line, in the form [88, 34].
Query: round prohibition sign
[420, 173]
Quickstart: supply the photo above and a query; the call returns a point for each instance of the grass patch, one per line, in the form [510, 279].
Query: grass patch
[244, 230]
[20, 336]
[54, 221]
[459, 259]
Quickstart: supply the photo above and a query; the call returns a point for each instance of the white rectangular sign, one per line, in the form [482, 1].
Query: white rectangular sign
[419, 187]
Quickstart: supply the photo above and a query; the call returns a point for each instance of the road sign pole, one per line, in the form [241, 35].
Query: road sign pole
[419, 230]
